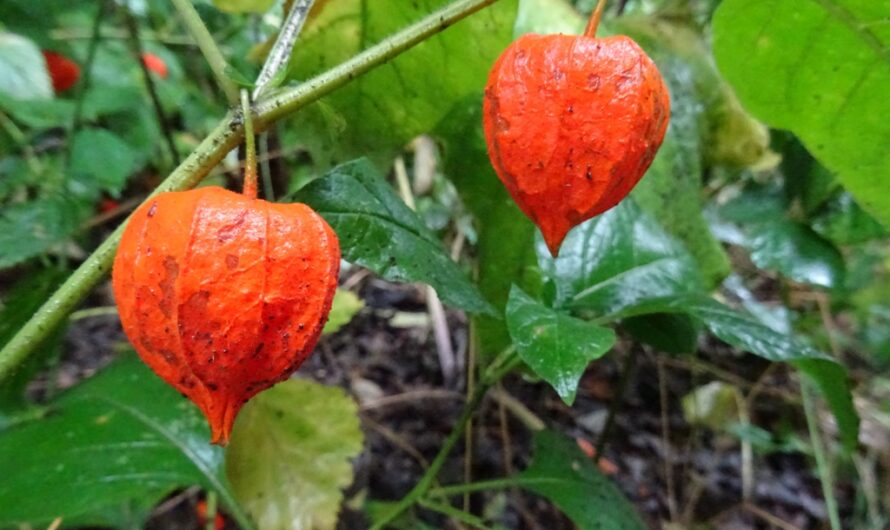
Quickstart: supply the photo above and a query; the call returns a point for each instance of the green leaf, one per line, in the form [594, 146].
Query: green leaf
[797, 252]
[777, 243]
[345, 306]
[843, 222]
[548, 16]
[745, 332]
[23, 73]
[671, 192]
[244, 6]
[505, 247]
[728, 135]
[619, 260]
[671, 189]
[670, 333]
[121, 435]
[31, 228]
[714, 405]
[556, 346]
[17, 306]
[101, 160]
[568, 478]
[820, 68]
[381, 111]
[290, 454]
[378, 231]
[39, 113]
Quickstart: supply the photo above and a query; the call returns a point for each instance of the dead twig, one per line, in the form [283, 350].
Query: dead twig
[413, 397]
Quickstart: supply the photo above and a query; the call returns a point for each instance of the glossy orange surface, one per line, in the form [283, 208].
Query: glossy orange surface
[222, 295]
[572, 123]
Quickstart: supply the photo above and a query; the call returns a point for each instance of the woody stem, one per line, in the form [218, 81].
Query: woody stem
[250, 147]
[595, 17]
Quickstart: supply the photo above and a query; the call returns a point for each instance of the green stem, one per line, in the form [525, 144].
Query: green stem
[280, 54]
[498, 368]
[208, 47]
[208, 154]
[136, 45]
[102, 311]
[250, 147]
[95, 37]
[285, 102]
[473, 487]
[266, 168]
[825, 476]
[454, 513]
[629, 364]
[210, 519]
[211, 151]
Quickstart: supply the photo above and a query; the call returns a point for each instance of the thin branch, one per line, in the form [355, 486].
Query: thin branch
[522, 413]
[454, 513]
[495, 371]
[208, 47]
[630, 364]
[473, 487]
[227, 134]
[210, 516]
[768, 517]
[280, 54]
[287, 101]
[95, 38]
[136, 45]
[822, 464]
[666, 440]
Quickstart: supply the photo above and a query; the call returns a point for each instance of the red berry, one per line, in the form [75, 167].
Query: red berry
[572, 123]
[155, 64]
[63, 72]
[223, 295]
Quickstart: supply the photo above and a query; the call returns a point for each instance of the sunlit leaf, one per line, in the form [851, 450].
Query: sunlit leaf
[289, 456]
[23, 73]
[381, 111]
[345, 305]
[820, 69]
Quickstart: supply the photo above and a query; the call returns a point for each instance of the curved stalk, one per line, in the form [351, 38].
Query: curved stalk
[227, 134]
[501, 366]
[208, 47]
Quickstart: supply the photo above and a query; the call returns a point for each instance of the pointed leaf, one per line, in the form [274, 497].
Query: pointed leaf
[557, 347]
[378, 231]
[568, 478]
[121, 435]
[747, 333]
[616, 261]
